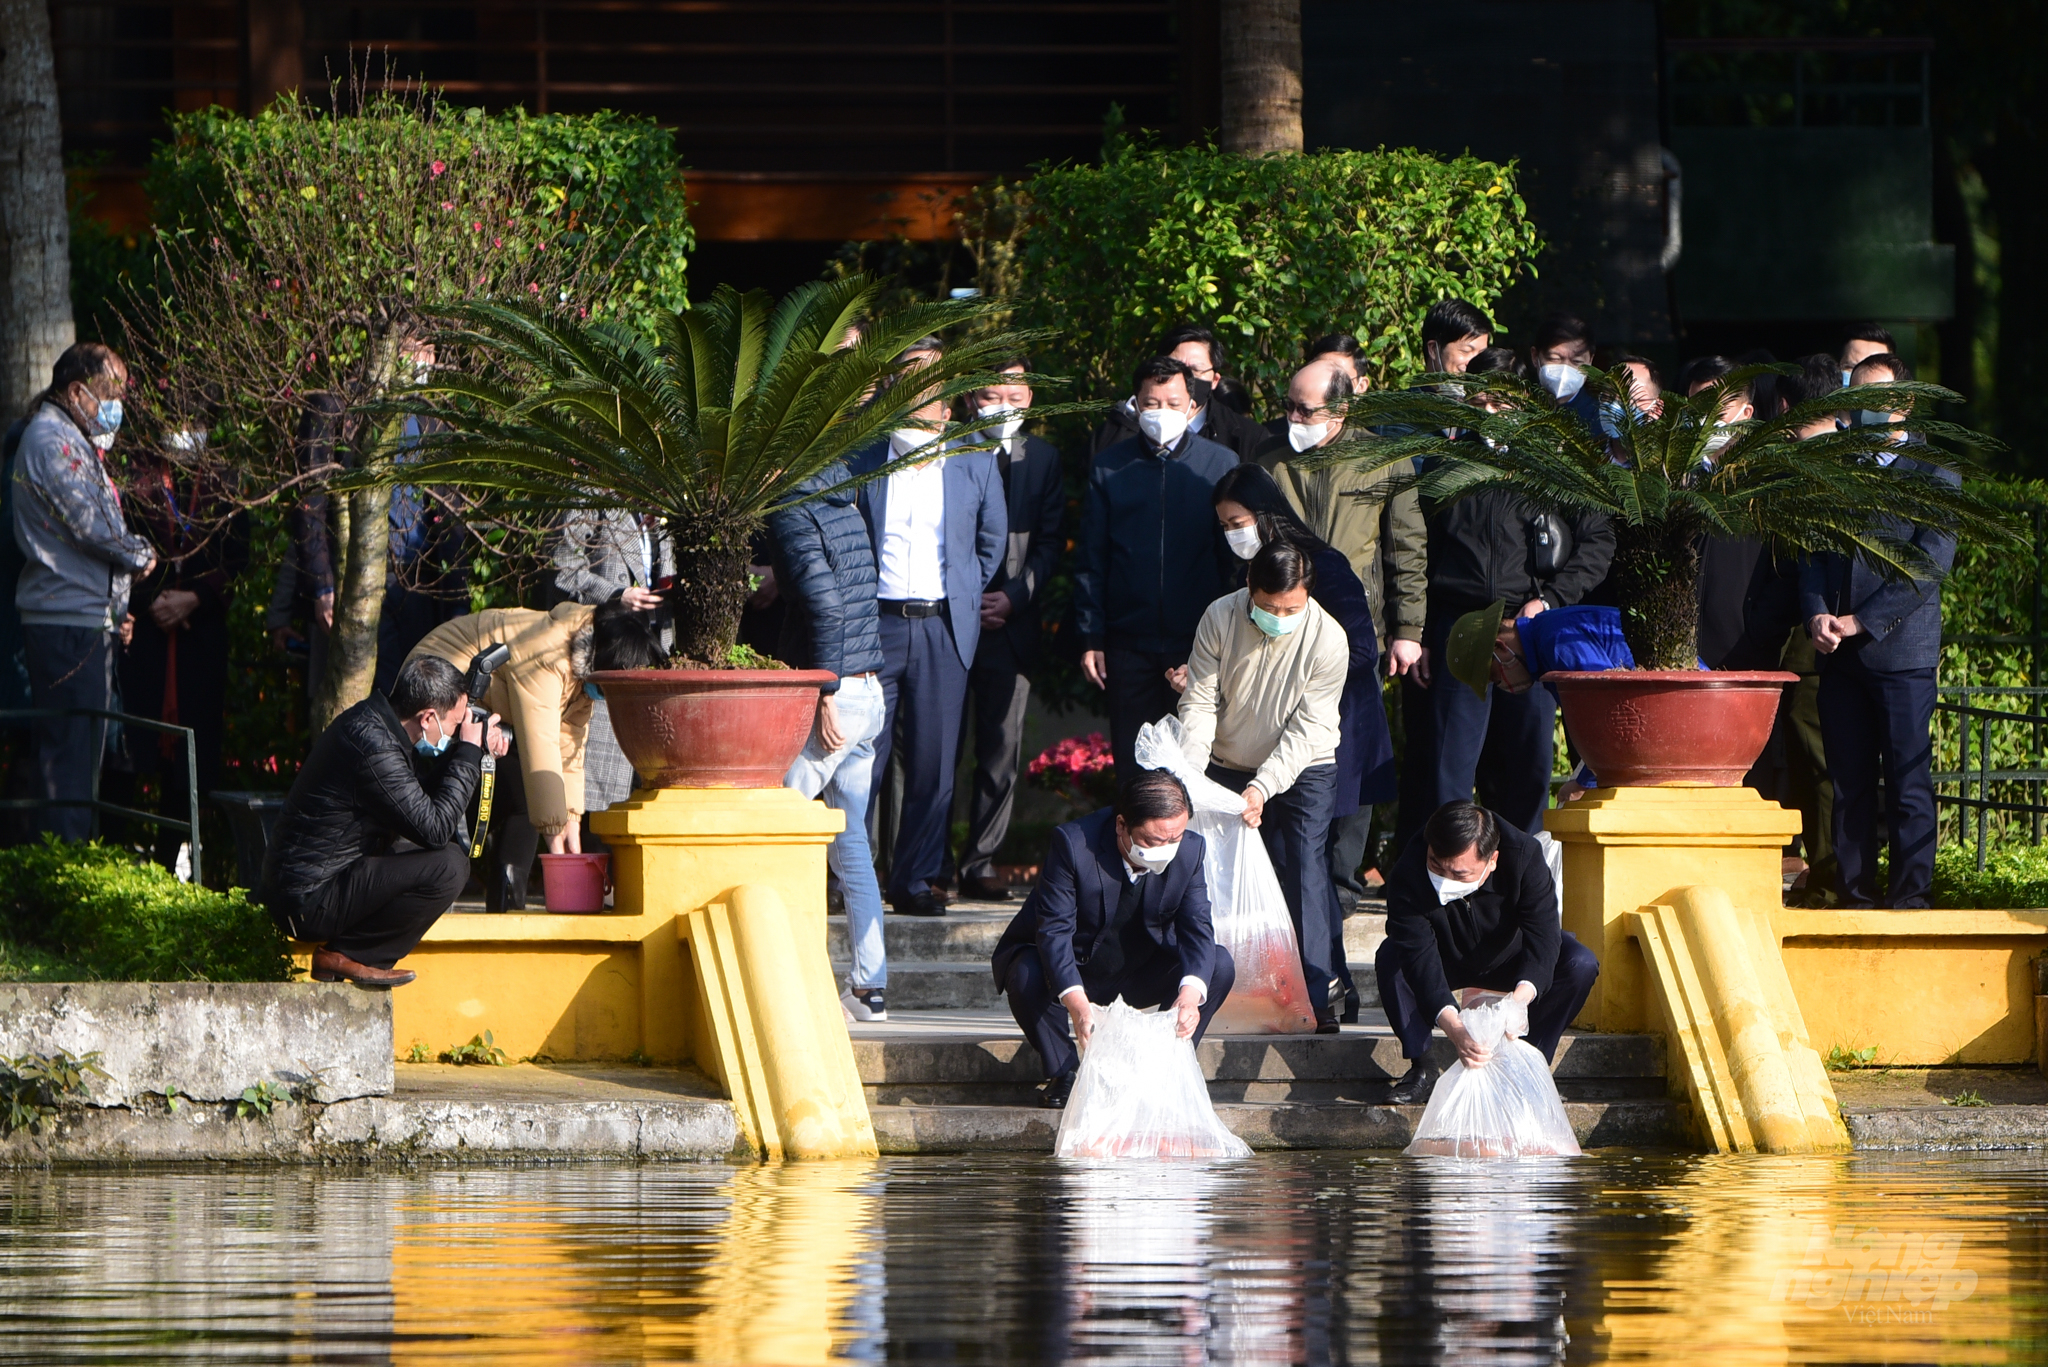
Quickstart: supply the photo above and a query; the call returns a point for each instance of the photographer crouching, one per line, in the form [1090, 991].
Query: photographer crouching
[403, 768]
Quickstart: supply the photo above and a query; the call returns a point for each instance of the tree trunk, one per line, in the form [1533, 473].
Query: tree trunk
[1656, 579]
[363, 533]
[711, 588]
[1261, 76]
[35, 223]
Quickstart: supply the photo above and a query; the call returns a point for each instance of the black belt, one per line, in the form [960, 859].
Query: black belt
[913, 607]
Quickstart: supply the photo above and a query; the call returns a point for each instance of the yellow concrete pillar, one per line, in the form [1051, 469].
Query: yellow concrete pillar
[1626, 848]
[742, 871]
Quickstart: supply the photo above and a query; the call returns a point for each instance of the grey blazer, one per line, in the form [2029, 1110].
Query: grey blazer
[598, 553]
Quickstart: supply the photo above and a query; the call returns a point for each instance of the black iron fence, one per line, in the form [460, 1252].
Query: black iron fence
[1989, 746]
[25, 716]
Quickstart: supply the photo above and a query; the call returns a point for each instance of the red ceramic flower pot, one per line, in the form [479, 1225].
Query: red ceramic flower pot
[711, 728]
[1642, 728]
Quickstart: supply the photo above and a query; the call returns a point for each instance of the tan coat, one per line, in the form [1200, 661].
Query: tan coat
[538, 695]
[1266, 705]
[1385, 539]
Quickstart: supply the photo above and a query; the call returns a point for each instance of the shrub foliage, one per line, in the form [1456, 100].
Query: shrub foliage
[91, 912]
[1271, 252]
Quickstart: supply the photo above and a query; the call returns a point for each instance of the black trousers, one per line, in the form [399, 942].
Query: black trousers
[1495, 749]
[506, 868]
[1571, 982]
[1137, 692]
[924, 687]
[1874, 724]
[1296, 828]
[69, 667]
[1154, 982]
[384, 903]
[999, 691]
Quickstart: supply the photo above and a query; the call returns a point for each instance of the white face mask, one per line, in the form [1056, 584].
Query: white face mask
[1449, 890]
[1720, 437]
[904, 440]
[1243, 541]
[1153, 858]
[1303, 435]
[1563, 381]
[1007, 423]
[1162, 426]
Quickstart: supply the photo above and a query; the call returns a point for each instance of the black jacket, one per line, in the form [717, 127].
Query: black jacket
[1075, 899]
[1222, 424]
[1509, 923]
[363, 786]
[1038, 504]
[1479, 550]
[1151, 557]
[825, 568]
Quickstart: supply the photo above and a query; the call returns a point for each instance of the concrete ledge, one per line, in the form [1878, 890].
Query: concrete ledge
[385, 1130]
[1946, 1127]
[209, 1040]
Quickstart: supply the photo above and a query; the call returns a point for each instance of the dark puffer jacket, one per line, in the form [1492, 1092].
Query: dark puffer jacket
[363, 786]
[825, 569]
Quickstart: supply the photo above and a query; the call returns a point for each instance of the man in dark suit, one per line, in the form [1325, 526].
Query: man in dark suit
[1880, 641]
[1471, 904]
[939, 529]
[1120, 910]
[1000, 681]
[1151, 557]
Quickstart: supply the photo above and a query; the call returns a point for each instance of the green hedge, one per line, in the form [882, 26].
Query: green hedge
[1272, 252]
[2013, 878]
[77, 912]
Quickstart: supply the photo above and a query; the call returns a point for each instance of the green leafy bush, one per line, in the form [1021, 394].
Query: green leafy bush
[1272, 252]
[2015, 877]
[90, 912]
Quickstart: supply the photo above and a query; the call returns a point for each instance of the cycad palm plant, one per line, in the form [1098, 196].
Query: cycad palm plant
[731, 409]
[1671, 478]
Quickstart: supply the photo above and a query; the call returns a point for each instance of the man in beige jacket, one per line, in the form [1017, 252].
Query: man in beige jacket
[1265, 680]
[541, 693]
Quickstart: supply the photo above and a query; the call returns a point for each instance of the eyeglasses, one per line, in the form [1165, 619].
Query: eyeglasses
[1301, 410]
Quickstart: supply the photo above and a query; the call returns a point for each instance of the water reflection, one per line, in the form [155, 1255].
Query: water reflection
[1279, 1259]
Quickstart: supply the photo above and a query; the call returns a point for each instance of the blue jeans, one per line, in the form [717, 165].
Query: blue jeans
[842, 777]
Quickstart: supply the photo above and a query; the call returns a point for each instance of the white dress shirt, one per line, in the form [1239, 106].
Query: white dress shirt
[912, 557]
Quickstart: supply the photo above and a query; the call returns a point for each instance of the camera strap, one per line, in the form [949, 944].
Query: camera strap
[486, 789]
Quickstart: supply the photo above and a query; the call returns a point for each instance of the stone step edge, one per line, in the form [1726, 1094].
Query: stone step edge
[1263, 1125]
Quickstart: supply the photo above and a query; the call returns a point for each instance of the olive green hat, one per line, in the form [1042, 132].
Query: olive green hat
[1469, 649]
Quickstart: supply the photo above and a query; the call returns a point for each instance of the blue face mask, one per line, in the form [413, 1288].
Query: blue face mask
[432, 749]
[109, 416]
[593, 692]
[1275, 626]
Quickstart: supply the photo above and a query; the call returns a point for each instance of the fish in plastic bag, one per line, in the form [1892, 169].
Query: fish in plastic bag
[1247, 909]
[1140, 1094]
[1507, 1109]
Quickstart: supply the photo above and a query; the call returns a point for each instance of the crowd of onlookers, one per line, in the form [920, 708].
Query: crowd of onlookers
[1220, 573]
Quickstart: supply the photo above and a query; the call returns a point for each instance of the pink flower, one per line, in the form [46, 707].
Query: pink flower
[447, 203]
[438, 167]
[497, 242]
[534, 286]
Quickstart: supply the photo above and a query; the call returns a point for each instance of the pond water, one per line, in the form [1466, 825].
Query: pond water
[1278, 1259]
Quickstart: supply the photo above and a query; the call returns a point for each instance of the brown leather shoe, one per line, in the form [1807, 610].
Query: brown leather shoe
[331, 967]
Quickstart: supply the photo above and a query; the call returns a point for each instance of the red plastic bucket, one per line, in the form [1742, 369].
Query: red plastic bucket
[575, 882]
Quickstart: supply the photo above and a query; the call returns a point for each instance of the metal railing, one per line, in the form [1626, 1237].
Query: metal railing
[1997, 773]
[98, 805]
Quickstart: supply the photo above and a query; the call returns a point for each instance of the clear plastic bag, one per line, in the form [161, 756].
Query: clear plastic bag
[1247, 910]
[1507, 1109]
[1140, 1094]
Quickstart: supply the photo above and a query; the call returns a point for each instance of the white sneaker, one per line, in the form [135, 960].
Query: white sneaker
[864, 1004]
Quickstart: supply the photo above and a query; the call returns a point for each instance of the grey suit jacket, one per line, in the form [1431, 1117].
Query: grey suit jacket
[1901, 618]
[598, 553]
[977, 531]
